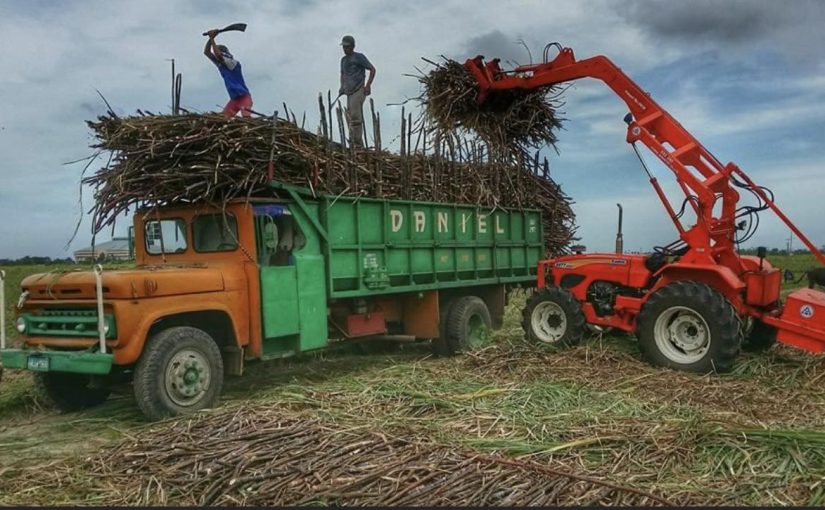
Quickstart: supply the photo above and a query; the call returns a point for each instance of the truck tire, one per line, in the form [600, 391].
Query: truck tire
[440, 345]
[179, 372]
[687, 325]
[71, 392]
[553, 317]
[760, 338]
[468, 325]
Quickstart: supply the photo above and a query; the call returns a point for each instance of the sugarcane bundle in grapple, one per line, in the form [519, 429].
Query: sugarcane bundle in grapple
[508, 121]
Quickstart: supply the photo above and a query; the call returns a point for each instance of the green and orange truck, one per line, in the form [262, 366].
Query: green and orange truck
[215, 287]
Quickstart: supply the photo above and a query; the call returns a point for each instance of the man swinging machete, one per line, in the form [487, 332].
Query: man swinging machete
[240, 100]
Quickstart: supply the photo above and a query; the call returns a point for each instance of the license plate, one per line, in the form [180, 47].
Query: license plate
[39, 363]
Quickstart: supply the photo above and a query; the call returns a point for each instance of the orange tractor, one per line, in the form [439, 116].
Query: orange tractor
[689, 301]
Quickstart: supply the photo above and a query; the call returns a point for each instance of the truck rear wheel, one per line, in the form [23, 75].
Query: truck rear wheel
[467, 326]
[440, 345]
[689, 326]
[180, 372]
[553, 317]
[71, 392]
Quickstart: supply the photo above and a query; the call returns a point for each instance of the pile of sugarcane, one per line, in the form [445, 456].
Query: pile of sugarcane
[268, 456]
[164, 159]
[509, 120]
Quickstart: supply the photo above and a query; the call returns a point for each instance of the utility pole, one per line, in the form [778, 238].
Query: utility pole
[790, 245]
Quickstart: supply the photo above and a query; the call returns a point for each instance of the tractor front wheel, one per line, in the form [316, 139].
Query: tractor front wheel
[687, 325]
[553, 317]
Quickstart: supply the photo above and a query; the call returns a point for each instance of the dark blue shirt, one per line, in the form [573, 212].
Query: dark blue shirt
[353, 71]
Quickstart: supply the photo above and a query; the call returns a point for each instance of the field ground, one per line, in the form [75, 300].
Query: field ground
[755, 436]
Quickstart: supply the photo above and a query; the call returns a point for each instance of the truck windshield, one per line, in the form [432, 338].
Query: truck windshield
[215, 232]
[166, 236]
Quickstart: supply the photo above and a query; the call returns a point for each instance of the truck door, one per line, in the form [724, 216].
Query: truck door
[293, 316]
[279, 285]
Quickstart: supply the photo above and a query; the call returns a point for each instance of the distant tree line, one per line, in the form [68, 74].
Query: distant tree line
[29, 260]
[779, 251]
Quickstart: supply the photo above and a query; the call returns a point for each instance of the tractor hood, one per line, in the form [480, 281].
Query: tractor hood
[135, 283]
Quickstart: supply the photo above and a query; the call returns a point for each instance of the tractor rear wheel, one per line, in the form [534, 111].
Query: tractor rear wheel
[687, 325]
[760, 338]
[553, 317]
[71, 392]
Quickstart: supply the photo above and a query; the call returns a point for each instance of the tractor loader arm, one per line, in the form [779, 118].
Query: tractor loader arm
[701, 176]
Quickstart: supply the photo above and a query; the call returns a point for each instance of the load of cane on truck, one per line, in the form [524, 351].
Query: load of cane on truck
[256, 239]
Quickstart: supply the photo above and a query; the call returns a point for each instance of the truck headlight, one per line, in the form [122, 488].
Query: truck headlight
[21, 325]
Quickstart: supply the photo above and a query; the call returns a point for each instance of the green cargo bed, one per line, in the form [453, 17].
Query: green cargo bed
[378, 246]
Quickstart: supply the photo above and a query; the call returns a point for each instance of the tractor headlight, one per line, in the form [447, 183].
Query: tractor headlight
[105, 328]
[21, 325]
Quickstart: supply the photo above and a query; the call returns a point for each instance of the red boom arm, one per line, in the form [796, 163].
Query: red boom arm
[697, 171]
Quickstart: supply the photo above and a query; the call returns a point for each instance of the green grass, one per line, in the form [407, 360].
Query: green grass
[798, 264]
[755, 436]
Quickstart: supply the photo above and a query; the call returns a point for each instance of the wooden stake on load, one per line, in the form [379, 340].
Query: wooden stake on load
[329, 111]
[339, 112]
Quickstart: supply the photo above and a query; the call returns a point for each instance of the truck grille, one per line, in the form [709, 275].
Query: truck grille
[73, 323]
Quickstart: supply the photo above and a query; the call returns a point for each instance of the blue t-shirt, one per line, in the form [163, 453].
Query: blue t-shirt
[353, 71]
[232, 76]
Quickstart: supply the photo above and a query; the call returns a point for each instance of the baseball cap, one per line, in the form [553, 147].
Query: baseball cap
[348, 40]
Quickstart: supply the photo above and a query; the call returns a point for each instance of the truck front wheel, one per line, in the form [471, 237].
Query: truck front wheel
[71, 392]
[687, 325]
[180, 372]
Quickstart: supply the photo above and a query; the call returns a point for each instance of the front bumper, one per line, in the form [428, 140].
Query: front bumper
[78, 362]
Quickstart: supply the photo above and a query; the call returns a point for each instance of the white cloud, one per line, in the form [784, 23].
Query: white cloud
[62, 52]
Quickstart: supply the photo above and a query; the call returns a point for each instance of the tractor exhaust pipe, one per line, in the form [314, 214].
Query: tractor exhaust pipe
[619, 240]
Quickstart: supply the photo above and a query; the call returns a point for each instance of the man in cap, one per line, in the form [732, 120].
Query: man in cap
[353, 67]
[240, 100]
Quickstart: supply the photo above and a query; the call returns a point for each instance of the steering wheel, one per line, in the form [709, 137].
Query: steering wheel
[226, 246]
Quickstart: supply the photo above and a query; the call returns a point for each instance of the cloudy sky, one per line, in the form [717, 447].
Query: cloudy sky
[747, 78]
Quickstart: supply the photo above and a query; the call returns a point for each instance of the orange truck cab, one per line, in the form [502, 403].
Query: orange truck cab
[267, 278]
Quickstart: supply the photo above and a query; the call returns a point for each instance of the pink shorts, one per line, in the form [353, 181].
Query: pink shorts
[239, 104]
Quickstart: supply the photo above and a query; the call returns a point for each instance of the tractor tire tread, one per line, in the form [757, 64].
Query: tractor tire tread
[576, 321]
[760, 338]
[718, 312]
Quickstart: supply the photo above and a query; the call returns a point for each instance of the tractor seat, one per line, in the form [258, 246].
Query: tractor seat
[655, 262]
